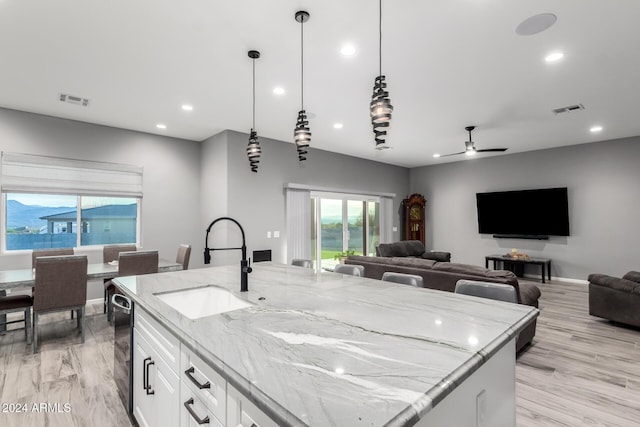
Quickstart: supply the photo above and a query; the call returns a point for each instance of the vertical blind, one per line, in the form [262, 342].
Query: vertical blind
[29, 173]
[386, 220]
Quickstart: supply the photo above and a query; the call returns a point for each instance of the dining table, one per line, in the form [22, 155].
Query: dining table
[26, 277]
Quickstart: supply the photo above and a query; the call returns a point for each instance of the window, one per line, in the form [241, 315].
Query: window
[41, 221]
[52, 202]
[342, 223]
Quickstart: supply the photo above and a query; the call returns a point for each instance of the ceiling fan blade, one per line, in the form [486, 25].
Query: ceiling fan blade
[487, 150]
[452, 154]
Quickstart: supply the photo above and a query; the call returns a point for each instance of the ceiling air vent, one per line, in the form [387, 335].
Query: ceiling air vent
[75, 100]
[569, 109]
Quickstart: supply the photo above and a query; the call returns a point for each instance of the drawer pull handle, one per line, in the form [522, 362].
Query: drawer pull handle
[145, 375]
[195, 416]
[189, 373]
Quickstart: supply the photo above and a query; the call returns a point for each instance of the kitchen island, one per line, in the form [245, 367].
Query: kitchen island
[325, 349]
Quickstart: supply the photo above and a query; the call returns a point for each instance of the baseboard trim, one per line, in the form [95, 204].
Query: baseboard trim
[558, 279]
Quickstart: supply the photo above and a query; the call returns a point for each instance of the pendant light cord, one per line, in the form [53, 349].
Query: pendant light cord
[254, 94]
[302, 64]
[380, 36]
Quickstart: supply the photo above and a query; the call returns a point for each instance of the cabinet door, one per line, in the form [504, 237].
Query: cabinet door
[156, 396]
[242, 413]
[143, 409]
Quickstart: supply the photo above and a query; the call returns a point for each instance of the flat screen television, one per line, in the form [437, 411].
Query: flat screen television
[534, 214]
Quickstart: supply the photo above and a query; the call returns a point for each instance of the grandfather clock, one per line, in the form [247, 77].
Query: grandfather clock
[413, 218]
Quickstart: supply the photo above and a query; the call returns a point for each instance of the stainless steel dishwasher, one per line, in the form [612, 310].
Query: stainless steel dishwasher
[123, 349]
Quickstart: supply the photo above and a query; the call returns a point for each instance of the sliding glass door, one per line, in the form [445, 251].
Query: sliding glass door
[343, 224]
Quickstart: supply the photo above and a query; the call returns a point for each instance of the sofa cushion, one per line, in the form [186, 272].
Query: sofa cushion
[437, 256]
[475, 270]
[412, 262]
[616, 283]
[413, 247]
[633, 276]
[392, 249]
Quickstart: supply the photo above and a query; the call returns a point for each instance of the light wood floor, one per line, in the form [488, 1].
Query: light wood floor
[580, 371]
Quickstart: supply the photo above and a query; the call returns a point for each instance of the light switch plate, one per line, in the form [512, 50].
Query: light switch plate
[276, 234]
[268, 234]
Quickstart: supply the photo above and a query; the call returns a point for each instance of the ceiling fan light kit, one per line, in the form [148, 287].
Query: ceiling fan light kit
[470, 148]
[302, 133]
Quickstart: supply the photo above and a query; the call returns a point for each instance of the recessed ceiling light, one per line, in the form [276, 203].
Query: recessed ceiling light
[348, 50]
[555, 56]
[161, 126]
[436, 155]
[536, 24]
[187, 107]
[338, 125]
[278, 90]
[595, 129]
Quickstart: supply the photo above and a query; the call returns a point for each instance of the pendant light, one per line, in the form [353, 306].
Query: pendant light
[302, 134]
[380, 106]
[253, 149]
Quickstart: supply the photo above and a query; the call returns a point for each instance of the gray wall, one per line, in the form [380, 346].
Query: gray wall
[257, 200]
[604, 204]
[170, 213]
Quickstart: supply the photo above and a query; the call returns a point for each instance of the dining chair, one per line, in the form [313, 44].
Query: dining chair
[404, 279]
[352, 269]
[184, 253]
[495, 291]
[61, 284]
[306, 263]
[110, 253]
[17, 303]
[49, 252]
[131, 264]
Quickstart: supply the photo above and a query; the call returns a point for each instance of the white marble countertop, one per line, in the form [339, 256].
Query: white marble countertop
[323, 349]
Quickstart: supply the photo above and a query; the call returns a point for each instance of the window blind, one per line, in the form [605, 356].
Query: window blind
[29, 173]
[298, 224]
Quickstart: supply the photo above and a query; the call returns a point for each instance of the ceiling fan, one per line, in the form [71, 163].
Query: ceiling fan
[470, 149]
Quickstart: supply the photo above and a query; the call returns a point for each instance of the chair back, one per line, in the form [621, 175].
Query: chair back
[49, 252]
[306, 263]
[61, 282]
[352, 269]
[110, 252]
[495, 291]
[136, 263]
[404, 279]
[184, 253]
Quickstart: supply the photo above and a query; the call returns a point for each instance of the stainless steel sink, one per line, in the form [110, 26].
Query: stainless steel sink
[204, 301]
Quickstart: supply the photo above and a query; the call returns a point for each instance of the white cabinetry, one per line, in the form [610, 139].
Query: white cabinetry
[203, 392]
[242, 413]
[156, 384]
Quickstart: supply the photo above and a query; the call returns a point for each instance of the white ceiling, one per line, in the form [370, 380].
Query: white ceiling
[449, 64]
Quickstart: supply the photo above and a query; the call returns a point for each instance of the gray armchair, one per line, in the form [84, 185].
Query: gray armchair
[616, 299]
[184, 253]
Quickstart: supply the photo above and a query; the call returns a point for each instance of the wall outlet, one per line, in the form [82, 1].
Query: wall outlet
[276, 234]
[268, 234]
[395, 229]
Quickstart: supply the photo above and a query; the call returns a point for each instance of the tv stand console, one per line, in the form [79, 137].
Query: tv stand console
[544, 263]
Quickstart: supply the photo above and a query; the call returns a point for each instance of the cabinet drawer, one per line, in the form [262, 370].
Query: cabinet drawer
[204, 383]
[242, 413]
[194, 411]
[163, 342]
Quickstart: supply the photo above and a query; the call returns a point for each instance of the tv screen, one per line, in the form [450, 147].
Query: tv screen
[542, 212]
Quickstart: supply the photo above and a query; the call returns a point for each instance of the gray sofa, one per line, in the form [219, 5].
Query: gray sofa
[614, 298]
[410, 248]
[444, 275]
